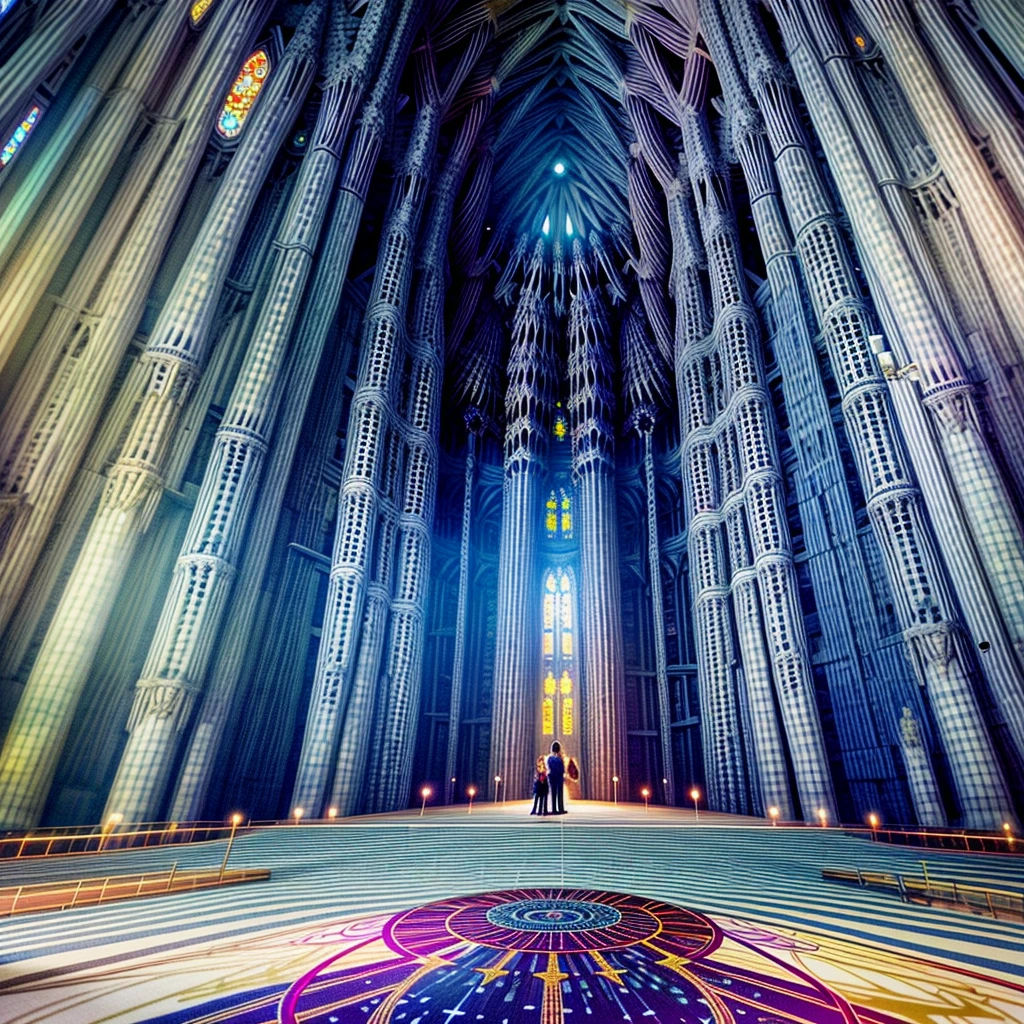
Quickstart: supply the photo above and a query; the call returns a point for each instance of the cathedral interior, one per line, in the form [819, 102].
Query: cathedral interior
[390, 389]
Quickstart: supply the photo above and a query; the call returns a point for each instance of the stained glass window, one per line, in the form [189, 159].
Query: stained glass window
[17, 140]
[557, 709]
[561, 427]
[243, 94]
[558, 515]
[199, 8]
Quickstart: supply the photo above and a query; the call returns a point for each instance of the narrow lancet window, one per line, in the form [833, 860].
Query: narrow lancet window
[243, 94]
[197, 11]
[557, 708]
[546, 226]
[21, 133]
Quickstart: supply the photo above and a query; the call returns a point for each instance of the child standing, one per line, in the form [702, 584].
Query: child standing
[540, 789]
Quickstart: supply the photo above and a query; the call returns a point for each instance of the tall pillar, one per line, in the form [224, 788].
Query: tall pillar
[24, 281]
[603, 703]
[61, 26]
[924, 790]
[517, 652]
[398, 709]
[997, 233]
[61, 394]
[21, 208]
[371, 429]
[311, 335]
[179, 656]
[923, 604]
[176, 354]
[745, 453]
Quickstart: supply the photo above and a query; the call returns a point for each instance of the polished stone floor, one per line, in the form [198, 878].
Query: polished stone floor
[608, 912]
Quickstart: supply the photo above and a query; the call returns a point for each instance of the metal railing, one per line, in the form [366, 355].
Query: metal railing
[84, 892]
[950, 893]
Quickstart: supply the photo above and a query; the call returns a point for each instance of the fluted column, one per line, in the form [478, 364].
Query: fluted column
[369, 426]
[997, 234]
[603, 703]
[744, 393]
[311, 335]
[63, 24]
[646, 427]
[47, 425]
[459, 656]
[517, 652]
[176, 354]
[24, 281]
[1003, 20]
[924, 790]
[894, 504]
[399, 707]
[176, 667]
[17, 215]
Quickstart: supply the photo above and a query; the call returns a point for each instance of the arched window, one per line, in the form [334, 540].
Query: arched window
[17, 140]
[558, 514]
[561, 427]
[559, 650]
[196, 12]
[243, 94]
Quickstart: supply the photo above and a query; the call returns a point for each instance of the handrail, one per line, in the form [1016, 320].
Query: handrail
[37, 897]
[931, 890]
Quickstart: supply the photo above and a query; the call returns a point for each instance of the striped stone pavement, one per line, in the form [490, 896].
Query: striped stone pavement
[323, 872]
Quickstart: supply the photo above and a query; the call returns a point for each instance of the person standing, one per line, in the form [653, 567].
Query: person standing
[540, 789]
[556, 778]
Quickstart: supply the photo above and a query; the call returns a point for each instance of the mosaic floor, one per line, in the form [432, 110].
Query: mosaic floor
[312, 947]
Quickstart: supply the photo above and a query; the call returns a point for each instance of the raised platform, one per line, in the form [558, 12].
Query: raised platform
[342, 904]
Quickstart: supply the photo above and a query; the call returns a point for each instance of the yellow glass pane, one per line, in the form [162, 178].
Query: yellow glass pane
[199, 8]
[551, 523]
[549, 684]
[565, 684]
[567, 644]
[549, 583]
[548, 716]
[567, 716]
[567, 524]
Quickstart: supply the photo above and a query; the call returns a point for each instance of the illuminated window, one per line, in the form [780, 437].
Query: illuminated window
[561, 427]
[557, 707]
[546, 226]
[243, 94]
[558, 515]
[568, 225]
[199, 8]
[17, 140]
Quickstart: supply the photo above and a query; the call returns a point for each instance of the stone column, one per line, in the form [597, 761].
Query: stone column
[995, 229]
[311, 335]
[369, 426]
[517, 651]
[603, 697]
[924, 790]
[175, 669]
[60, 395]
[25, 280]
[176, 354]
[923, 603]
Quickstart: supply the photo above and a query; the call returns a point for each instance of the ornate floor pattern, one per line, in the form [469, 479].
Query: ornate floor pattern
[599, 918]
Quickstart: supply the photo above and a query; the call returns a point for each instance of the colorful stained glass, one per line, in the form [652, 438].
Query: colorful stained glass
[561, 427]
[199, 8]
[566, 510]
[551, 515]
[243, 94]
[15, 142]
[558, 515]
[558, 618]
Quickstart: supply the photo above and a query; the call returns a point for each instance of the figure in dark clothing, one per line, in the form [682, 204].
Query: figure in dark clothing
[540, 789]
[556, 778]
